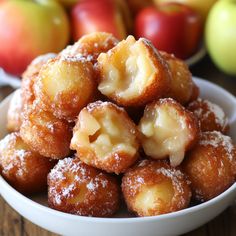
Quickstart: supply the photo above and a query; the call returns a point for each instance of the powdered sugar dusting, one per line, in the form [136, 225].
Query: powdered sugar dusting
[81, 188]
[100, 104]
[218, 112]
[203, 109]
[43, 58]
[75, 58]
[217, 139]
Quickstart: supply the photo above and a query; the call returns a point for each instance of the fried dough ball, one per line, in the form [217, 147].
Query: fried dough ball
[65, 86]
[30, 76]
[45, 133]
[168, 129]
[181, 85]
[91, 45]
[24, 169]
[77, 188]
[133, 73]
[105, 137]
[210, 115]
[210, 165]
[195, 93]
[154, 188]
[14, 114]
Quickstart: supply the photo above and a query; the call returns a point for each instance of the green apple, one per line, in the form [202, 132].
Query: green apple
[220, 35]
[30, 28]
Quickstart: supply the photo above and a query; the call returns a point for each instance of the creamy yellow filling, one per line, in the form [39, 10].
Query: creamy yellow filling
[128, 70]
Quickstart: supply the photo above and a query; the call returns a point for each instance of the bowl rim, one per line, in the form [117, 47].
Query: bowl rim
[47, 210]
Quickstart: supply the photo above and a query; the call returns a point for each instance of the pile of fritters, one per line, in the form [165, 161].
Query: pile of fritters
[105, 119]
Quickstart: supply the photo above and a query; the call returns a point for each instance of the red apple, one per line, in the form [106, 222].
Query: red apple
[28, 29]
[136, 5]
[104, 15]
[200, 6]
[171, 27]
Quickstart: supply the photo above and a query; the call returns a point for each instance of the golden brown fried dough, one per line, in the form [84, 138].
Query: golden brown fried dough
[24, 169]
[77, 188]
[30, 76]
[45, 133]
[133, 73]
[182, 86]
[15, 112]
[168, 130]
[210, 115]
[105, 137]
[154, 188]
[65, 86]
[195, 93]
[210, 165]
[91, 45]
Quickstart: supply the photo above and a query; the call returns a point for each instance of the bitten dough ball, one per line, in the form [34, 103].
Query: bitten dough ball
[45, 133]
[210, 165]
[133, 73]
[105, 137]
[22, 168]
[154, 188]
[65, 86]
[91, 45]
[15, 112]
[210, 115]
[77, 188]
[168, 130]
[182, 86]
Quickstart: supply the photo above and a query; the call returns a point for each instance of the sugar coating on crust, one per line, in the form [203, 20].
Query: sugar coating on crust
[90, 46]
[154, 187]
[105, 137]
[210, 165]
[168, 130]
[79, 189]
[211, 116]
[216, 139]
[24, 169]
[181, 84]
[133, 73]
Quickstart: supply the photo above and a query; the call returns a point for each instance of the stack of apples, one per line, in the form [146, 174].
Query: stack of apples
[33, 27]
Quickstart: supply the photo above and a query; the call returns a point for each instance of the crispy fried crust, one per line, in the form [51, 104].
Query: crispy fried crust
[65, 86]
[195, 93]
[31, 75]
[154, 187]
[210, 165]
[24, 169]
[14, 114]
[168, 130]
[45, 133]
[133, 73]
[210, 115]
[105, 137]
[77, 188]
[182, 86]
[91, 45]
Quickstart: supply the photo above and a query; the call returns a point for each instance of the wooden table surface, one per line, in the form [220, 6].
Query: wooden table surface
[12, 224]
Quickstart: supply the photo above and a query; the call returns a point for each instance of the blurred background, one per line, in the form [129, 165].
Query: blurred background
[186, 28]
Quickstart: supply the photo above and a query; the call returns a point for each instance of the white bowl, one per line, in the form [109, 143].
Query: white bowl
[35, 209]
